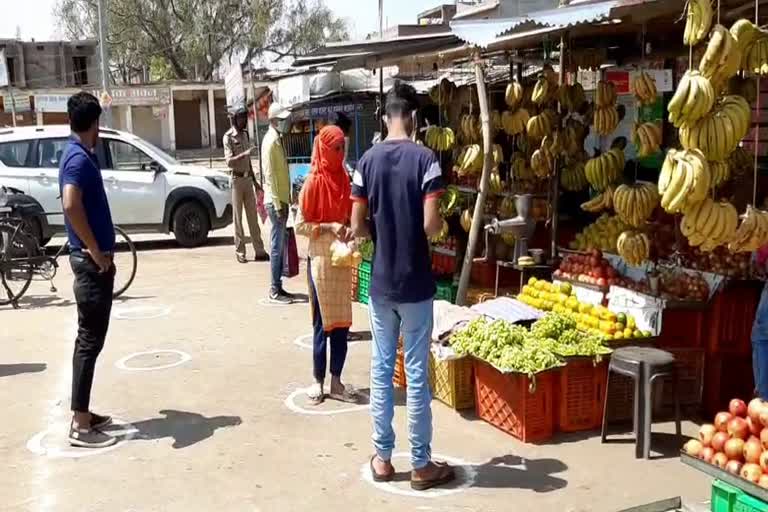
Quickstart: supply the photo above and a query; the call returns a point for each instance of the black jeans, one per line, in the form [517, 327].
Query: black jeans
[338, 338]
[93, 293]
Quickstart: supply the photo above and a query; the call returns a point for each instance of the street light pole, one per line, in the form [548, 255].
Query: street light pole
[104, 57]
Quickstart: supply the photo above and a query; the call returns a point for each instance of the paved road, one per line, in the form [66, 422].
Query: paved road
[212, 432]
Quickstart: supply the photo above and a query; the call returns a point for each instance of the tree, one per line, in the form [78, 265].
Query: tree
[187, 39]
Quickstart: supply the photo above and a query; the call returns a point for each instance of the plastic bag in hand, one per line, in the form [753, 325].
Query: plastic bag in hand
[342, 255]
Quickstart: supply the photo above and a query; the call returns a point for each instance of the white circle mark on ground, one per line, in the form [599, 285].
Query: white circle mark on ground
[140, 312]
[269, 304]
[305, 341]
[183, 358]
[465, 472]
[123, 430]
[290, 403]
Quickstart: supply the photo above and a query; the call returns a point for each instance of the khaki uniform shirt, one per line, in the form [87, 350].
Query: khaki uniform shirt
[236, 143]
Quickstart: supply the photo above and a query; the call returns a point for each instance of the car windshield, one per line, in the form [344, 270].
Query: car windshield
[164, 157]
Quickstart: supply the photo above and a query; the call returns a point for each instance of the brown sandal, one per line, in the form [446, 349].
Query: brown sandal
[443, 475]
[378, 477]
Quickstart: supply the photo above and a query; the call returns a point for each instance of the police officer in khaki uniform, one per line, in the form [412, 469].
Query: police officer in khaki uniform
[237, 154]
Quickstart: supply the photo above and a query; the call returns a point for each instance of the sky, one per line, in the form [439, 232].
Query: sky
[361, 15]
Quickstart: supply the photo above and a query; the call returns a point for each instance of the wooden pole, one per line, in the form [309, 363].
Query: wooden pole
[477, 217]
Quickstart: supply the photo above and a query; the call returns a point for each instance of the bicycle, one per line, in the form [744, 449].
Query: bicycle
[22, 258]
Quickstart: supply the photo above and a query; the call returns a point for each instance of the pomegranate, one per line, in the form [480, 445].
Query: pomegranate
[738, 427]
[720, 460]
[754, 409]
[719, 439]
[734, 448]
[763, 482]
[751, 472]
[754, 426]
[752, 451]
[737, 407]
[706, 433]
[706, 454]
[721, 421]
[733, 466]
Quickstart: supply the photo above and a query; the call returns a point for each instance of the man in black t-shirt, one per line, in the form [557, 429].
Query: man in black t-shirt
[398, 183]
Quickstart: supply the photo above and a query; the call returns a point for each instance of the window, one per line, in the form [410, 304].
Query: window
[80, 70]
[126, 157]
[14, 154]
[50, 152]
[11, 70]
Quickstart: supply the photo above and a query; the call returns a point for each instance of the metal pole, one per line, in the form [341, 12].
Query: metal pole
[381, 71]
[479, 213]
[104, 57]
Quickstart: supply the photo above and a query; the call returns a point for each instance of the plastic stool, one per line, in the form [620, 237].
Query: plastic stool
[644, 365]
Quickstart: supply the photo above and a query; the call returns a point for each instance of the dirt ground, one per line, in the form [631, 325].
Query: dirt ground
[220, 423]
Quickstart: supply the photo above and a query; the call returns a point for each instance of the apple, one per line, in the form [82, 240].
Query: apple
[734, 448]
[733, 466]
[755, 427]
[763, 482]
[752, 451]
[706, 454]
[738, 427]
[764, 438]
[721, 421]
[720, 460]
[694, 447]
[754, 409]
[737, 407]
[706, 433]
[751, 472]
[764, 416]
[719, 439]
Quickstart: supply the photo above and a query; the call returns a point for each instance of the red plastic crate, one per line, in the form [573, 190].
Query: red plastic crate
[580, 396]
[515, 404]
[353, 289]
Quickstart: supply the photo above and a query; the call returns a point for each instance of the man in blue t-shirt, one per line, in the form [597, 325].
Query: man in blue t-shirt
[92, 240]
[398, 185]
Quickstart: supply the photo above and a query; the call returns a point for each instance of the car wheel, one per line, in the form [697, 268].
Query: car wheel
[191, 224]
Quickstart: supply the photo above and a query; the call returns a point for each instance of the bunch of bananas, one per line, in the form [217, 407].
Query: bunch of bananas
[647, 137]
[709, 224]
[541, 91]
[498, 155]
[606, 120]
[573, 136]
[698, 21]
[721, 172]
[442, 93]
[513, 96]
[521, 170]
[721, 59]
[541, 125]
[573, 177]
[718, 133]
[752, 233]
[684, 180]
[514, 123]
[542, 162]
[693, 99]
[635, 203]
[449, 200]
[440, 139]
[752, 41]
[605, 95]
[470, 129]
[470, 160]
[601, 234]
[572, 97]
[634, 247]
[466, 220]
[644, 88]
[440, 237]
[507, 209]
[602, 201]
[605, 169]
[496, 186]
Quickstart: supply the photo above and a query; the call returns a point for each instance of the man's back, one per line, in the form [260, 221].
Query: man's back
[395, 177]
[275, 169]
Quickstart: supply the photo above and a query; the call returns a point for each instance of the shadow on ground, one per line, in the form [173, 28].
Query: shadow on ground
[9, 370]
[185, 428]
[54, 301]
[360, 336]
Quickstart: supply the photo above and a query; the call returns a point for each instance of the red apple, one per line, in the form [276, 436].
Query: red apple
[764, 461]
[737, 407]
[764, 416]
[763, 482]
[694, 447]
[706, 433]
[734, 448]
[721, 421]
[720, 460]
[719, 439]
[752, 451]
[754, 409]
[706, 454]
[738, 427]
[764, 438]
[754, 426]
[733, 466]
[751, 472]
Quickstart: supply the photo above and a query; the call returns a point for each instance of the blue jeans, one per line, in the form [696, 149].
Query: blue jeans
[320, 337]
[277, 245]
[414, 321]
[760, 346]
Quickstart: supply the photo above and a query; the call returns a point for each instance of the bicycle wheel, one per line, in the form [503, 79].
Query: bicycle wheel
[126, 262]
[16, 266]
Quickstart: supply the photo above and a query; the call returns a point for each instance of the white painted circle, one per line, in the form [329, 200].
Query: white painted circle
[465, 470]
[183, 358]
[305, 341]
[269, 304]
[121, 429]
[290, 403]
[140, 312]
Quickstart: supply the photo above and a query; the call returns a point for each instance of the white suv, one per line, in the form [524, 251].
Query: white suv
[149, 191]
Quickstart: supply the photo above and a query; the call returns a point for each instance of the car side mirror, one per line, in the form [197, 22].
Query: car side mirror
[154, 167]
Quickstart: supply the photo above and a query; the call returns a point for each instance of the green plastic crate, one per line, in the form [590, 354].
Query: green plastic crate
[746, 503]
[446, 290]
[724, 496]
[363, 282]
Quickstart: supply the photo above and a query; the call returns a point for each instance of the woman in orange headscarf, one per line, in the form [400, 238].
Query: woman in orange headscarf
[324, 210]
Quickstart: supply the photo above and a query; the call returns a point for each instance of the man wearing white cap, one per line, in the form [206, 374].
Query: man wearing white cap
[277, 196]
